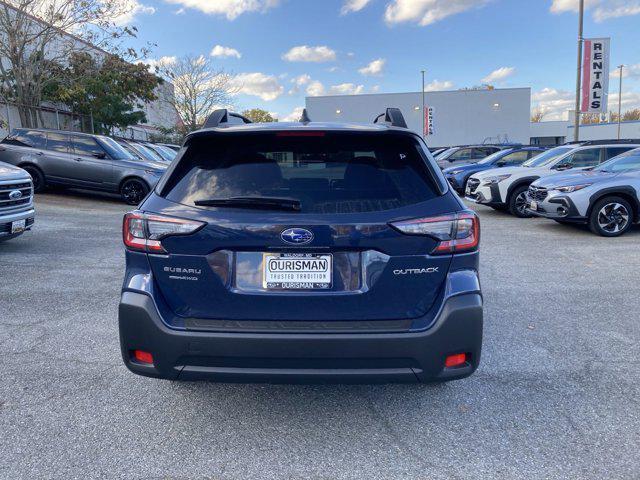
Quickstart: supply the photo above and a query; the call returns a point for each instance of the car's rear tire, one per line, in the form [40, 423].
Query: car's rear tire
[611, 217]
[518, 202]
[133, 191]
[37, 177]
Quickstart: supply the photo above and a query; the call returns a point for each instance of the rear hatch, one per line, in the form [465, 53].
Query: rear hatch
[297, 226]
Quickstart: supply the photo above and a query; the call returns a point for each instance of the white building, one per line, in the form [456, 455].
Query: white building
[459, 116]
[557, 132]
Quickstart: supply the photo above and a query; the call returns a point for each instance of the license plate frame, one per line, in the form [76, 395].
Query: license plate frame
[18, 226]
[280, 275]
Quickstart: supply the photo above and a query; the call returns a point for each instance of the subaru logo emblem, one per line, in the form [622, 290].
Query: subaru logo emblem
[15, 195]
[296, 236]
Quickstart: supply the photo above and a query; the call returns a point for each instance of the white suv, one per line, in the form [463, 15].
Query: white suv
[506, 188]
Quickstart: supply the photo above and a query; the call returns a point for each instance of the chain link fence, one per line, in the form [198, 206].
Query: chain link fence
[12, 115]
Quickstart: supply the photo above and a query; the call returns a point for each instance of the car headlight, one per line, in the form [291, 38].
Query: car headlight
[496, 179]
[572, 188]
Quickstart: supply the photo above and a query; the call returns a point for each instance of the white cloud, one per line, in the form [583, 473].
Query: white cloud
[374, 68]
[180, 11]
[298, 82]
[225, 52]
[426, 12]
[437, 86]
[267, 87]
[229, 8]
[304, 53]
[315, 89]
[499, 74]
[602, 9]
[553, 103]
[350, 6]
[629, 71]
[156, 63]
[294, 116]
[133, 9]
[375, 89]
[346, 89]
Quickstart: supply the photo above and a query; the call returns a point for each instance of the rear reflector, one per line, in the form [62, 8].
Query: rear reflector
[143, 233]
[456, 233]
[143, 357]
[455, 360]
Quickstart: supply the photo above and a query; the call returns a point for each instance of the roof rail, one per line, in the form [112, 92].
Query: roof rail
[221, 117]
[611, 141]
[304, 118]
[393, 117]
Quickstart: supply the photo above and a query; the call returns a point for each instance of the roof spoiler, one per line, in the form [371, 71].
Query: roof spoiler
[220, 118]
[393, 117]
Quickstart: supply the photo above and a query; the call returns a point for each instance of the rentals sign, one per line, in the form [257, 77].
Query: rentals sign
[428, 122]
[595, 75]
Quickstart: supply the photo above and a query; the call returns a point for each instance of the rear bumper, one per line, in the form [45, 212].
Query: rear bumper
[303, 358]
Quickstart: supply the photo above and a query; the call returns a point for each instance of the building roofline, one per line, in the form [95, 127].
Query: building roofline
[427, 92]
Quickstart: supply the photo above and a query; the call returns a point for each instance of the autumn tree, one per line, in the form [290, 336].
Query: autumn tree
[258, 115]
[537, 115]
[112, 90]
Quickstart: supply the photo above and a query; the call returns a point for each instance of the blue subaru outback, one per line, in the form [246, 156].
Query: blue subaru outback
[302, 252]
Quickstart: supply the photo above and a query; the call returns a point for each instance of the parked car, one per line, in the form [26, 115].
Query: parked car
[455, 156]
[173, 147]
[302, 252]
[510, 157]
[141, 151]
[606, 198]
[506, 188]
[17, 213]
[80, 160]
[165, 153]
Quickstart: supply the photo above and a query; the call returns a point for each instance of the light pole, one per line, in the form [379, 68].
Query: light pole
[423, 125]
[620, 100]
[576, 119]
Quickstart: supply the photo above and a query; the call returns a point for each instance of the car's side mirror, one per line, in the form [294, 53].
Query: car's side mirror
[563, 166]
[100, 155]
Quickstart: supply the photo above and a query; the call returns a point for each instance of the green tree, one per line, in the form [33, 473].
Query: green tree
[114, 91]
[257, 115]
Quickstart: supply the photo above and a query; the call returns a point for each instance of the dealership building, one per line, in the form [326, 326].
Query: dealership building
[457, 117]
[464, 117]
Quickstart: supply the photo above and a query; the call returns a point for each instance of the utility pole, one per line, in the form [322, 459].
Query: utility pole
[423, 113]
[620, 100]
[576, 120]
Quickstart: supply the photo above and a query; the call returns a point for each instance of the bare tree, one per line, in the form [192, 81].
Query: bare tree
[37, 36]
[198, 89]
[537, 115]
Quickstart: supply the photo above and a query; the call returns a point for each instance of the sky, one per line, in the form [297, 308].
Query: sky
[280, 51]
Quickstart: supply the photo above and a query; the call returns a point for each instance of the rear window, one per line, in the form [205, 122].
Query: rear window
[336, 173]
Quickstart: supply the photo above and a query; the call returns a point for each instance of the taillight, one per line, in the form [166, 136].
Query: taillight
[144, 233]
[456, 233]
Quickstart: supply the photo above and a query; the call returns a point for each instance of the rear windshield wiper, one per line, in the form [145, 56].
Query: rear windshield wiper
[262, 203]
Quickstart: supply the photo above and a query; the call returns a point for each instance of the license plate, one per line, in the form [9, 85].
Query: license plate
[533, 205]
[18, 226]
[297, 271]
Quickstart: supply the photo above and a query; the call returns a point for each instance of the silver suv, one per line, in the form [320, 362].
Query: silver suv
[16, 201]
[80, 160]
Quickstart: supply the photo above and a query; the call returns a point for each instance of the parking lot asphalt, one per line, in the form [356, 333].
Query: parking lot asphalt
[557, 394]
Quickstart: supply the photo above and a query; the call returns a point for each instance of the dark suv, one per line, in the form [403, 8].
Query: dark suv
[80, 160]
[302, 252]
